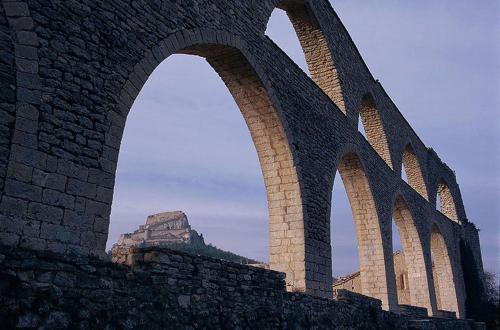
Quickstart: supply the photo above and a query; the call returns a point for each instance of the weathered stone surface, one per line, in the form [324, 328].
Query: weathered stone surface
[165, 289]
[71, 71]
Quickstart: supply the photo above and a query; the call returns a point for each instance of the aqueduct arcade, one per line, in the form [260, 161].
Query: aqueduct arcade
[77, 67]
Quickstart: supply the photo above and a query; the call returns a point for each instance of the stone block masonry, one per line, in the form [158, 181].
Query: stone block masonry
[71, 70]
[165, 289]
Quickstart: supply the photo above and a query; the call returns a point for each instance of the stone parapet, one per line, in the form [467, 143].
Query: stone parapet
[413, 311]
[446, 314]
[357, 299]
[180, 266]
[165, 289]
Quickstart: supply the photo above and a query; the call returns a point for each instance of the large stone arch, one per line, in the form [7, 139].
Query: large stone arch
[443, 273]
[412, 241]
[317, 53]
[442, 182]
[79, 66]
[372, 261]
[447, 202]
[226, 54]
[411, 163]
[374, 128]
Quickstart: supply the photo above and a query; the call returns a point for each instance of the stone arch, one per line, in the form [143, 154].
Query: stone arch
[62, 189]
[374, 128]
[413, 255]
[226, 54]
[318, 55]
[411, 165]
[442, 273]
[447, 202]
[368, 232]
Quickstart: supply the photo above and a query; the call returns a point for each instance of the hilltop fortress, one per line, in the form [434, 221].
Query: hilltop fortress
[172, 230]
[162, 228]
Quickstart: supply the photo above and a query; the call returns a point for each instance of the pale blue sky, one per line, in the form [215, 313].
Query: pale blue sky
[186, 145]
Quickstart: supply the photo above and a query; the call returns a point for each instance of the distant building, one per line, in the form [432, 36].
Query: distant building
[352, 282]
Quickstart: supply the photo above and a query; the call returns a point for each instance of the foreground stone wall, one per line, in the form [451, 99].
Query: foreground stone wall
[164, 289]
[71, 70]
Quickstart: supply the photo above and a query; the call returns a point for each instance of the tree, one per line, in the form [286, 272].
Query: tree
[489, 311]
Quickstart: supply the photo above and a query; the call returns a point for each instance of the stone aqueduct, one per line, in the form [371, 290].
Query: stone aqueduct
[70, 71]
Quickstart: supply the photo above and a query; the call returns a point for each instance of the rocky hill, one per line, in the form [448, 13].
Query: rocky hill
[172, 230]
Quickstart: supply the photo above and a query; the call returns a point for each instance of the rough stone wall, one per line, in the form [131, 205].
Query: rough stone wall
[8, 92]
[165, 289]
[79, 65]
